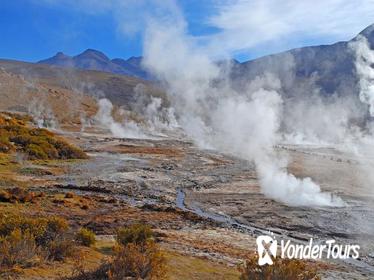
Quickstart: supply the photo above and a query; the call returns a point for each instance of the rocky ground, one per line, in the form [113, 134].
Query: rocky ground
[207, 208]
[205, 204]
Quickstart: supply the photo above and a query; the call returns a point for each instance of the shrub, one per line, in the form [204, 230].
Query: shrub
[21, 138]
[131, 261]
[5, 145]
[67, 151]
[41, 132]
[69, 195]
[9, 223]
[48, 237]
[37, 143]
[80, 273]
[35, 152]
[86, 237]
[281, 269]
[16, 195]
[137, 233]
[136, 256]
[59, 248]
[4, 196]
[138, 261]
[18, 248]
[55, 227]
[43, 229]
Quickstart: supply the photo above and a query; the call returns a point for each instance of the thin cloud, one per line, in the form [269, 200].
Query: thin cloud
[131, 16]
[243, 25]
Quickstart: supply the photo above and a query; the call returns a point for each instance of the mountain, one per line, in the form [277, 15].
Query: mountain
[323, 71]
[369, 34]
[327, 69]
[122, 90]
[42, 99]
[133, 65]
[95, 60]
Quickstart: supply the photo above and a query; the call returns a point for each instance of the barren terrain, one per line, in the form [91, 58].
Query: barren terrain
[205, 204]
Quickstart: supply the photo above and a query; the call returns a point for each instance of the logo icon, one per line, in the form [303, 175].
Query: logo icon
[266, 249]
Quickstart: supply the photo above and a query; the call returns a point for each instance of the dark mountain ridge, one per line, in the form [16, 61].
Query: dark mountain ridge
[92, 59]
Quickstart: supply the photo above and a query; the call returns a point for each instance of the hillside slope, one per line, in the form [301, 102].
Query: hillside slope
[120, 89]
[46, 102]
[325, 69]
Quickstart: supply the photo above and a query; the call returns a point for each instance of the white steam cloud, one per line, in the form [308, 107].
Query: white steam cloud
[105, 118]
[42, 114]
[156, 119]
[365, 71]
[244, 124]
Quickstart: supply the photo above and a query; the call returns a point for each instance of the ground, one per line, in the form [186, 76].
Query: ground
[206, 208]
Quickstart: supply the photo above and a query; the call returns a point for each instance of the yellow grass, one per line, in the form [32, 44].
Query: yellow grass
[182, 267]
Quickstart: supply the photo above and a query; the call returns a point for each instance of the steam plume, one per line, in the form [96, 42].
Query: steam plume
[42, 114]
[364, 62]
[245, 124]
[104, 117]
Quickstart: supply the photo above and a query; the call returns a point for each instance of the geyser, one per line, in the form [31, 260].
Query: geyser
[104, 117]
[245, 124]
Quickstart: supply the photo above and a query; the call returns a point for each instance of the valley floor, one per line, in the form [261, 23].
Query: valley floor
[207, 208]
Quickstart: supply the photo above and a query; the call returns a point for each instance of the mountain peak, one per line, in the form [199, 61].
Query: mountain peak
[92, 59]
[91, 53]
[59, 59]
[134, 59]
[368, 31]
[60, 54]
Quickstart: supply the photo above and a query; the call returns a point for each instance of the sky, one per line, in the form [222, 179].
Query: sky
[31, 30]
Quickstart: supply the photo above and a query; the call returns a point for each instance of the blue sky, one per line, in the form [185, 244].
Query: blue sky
[31, 30]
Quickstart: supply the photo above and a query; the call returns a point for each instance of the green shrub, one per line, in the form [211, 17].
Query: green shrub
[137, 233]
[37, 143]
[41, 132]
[67, 151]
[86, 237]
[21, 139]
[35, 152]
